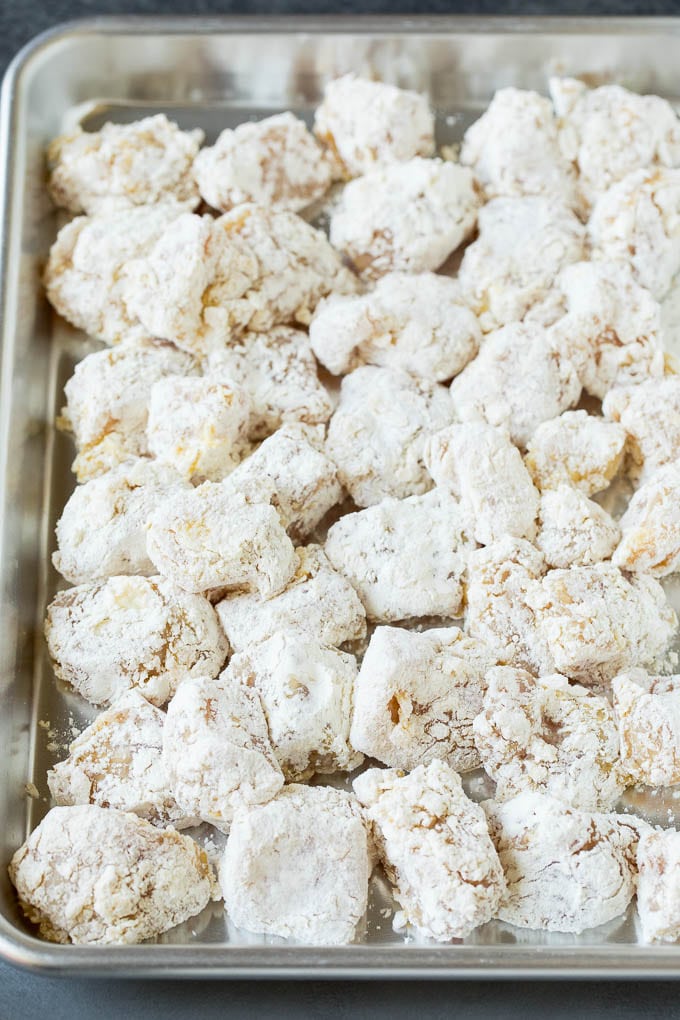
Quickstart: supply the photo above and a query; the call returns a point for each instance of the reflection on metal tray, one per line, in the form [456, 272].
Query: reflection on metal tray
[213, 73]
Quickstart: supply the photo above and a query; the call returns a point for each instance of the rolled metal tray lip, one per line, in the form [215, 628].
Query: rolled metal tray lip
[201, 961]
[337, 962]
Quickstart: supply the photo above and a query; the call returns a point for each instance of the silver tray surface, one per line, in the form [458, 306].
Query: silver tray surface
[215, 73]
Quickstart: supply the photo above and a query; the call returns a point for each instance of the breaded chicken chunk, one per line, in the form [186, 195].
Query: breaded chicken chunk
[124, 165]
[138, 633]
[366, 123]
[407, 216]
[405, 558]
[96, 876]
[416, 696]
[275, 162]
[434, 845]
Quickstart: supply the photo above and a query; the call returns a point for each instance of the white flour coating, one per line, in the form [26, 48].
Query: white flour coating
[566, 870]
[101, 531]
[416, 696]
[523, 244]
[607, 132]
[573, 530]
[85, 273]
[612, 322]
[648, 713]
[132, 632]
[658, 887]
[650, 414]
[405, 558]
[306, 692]
[595, 621]
[408, 216]
[651, 526]
[637, 221]
[205, 280]
[298, 867]
[518, 380]
[216, 749]
[434, 845]
[417, 322]
[278, 372]
[549, 736]
[198, 425]
[95, 876]
[478, 464]
[317, 601]
[291, 470]
[378, 433]
[116, 763]
[513, 148]
[124, 165]
[107, 402]
[499, 578]
[577, 449]
[367, 123]
[275, 162]
[213, 537]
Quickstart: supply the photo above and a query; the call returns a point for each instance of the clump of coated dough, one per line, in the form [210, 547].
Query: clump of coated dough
[651, 526]
[650, 414]
[124, 165]
[132, 633]
[405, 558]
[608, 132]
[198, 425]
[205, 280]
[101, 531]
[306, 693]
[96, 876]
[612, 322]
[434, 845]
[523, 244]
[637, 221]
[107, 402]
[216, 749]
[377, 435]
[275, 162]
[116, 763]
[85, 276]
[519, 379]
[573, 530]
[514, 150]
[298, 867]
[550, 736]
[405, 217]
[416, 322]
[658, 862]
[648, 712]
[278, 372]
[317, 601]
[366, 124]
[566, 869]
[499, 579]
[595, 621]
[416, 696]
[577, 449]
[213, 537]
[291, 470]
[478, 464]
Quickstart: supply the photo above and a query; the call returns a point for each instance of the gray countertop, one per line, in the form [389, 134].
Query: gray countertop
[26, 995]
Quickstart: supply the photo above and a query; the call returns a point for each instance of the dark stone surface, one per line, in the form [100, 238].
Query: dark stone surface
[23, 995]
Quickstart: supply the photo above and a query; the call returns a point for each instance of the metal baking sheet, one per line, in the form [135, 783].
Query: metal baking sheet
[215, 73]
